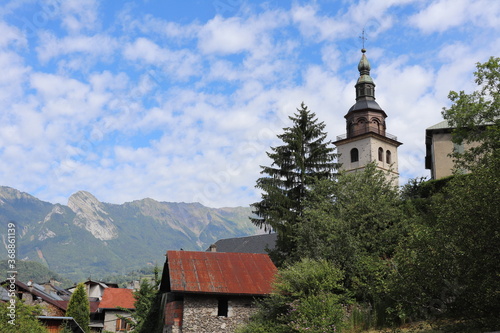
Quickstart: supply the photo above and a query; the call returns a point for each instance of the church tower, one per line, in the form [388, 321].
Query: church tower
[366, 139]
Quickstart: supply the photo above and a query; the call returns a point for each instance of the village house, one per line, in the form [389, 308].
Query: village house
[115, 305]
[34, 294]
[212, 291]
[95, 289]
[53, 302]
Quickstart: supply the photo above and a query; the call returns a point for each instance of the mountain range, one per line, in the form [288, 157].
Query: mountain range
[89, 238]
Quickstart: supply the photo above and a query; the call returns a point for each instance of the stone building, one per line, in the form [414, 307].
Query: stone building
[212, 291]
[366, 139]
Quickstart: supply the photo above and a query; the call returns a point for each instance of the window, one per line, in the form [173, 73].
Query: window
[458, 148]
[223, 307]
[354, 155]
[388, 157]
[122, 325]
[380, 154]
[376, 125]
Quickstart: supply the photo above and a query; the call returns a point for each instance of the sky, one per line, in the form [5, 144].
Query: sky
[179, 101]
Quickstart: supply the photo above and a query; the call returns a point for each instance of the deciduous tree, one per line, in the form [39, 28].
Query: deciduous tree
[476, 116]
[25, 320]
[308, 297]
[355, 222]
[449, 266]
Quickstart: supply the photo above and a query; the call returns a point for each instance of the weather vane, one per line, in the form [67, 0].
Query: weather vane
[363, 38]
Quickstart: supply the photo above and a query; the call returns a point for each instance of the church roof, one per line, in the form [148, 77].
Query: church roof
[365, 88]
[365, 104]
[364, 69]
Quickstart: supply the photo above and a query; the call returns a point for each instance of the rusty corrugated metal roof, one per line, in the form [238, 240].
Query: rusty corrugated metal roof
[220, 273]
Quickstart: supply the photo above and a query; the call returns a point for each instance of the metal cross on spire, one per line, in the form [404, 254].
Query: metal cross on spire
[363, 38]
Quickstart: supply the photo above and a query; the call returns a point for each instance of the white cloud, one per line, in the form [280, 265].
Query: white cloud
[180, 63]
[78, 15]
[313, 25]
[235, 35]
[99, 45]
[226, 36]
[442, 15]
[11, 35]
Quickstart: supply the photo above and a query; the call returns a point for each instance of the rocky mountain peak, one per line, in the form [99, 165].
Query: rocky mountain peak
[9, 193]
[92, 216]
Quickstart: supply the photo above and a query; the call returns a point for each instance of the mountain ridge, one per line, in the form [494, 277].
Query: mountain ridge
[88, 236]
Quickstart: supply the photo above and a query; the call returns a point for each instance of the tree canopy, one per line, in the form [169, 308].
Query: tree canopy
[475, 117]
[25, 320]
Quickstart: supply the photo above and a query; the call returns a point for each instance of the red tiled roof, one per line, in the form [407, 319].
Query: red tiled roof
[221, 273]
[117, 297]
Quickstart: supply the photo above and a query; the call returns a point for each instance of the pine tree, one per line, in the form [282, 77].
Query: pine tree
[79, 307]
[304, 158]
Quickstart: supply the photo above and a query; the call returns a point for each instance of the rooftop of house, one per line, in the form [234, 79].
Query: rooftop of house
[218, 273]
[54, 321]
[441, 125]
[90, 282]
[113, 298]
[41, 294]
[249, 244]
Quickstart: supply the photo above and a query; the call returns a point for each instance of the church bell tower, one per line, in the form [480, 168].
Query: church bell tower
[366, 139]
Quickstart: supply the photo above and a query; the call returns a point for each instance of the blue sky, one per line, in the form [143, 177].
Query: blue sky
[180, 100]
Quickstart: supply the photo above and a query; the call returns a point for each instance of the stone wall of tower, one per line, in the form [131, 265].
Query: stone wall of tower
[368, 151]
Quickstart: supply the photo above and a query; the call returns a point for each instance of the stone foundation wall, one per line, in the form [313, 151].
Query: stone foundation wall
[200, 314]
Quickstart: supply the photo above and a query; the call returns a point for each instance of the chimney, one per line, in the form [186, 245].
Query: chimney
[213, 248]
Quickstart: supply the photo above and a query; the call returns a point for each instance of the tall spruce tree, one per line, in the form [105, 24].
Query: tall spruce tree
[79, 307]
[304, 158]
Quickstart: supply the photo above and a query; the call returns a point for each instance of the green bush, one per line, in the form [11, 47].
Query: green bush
[308, 297]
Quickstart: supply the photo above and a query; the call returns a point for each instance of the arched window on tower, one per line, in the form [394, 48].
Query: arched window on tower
[361, 126]
[354, 155]
[380, 154]
[376, 125]
[350, 130]
[388, 157]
